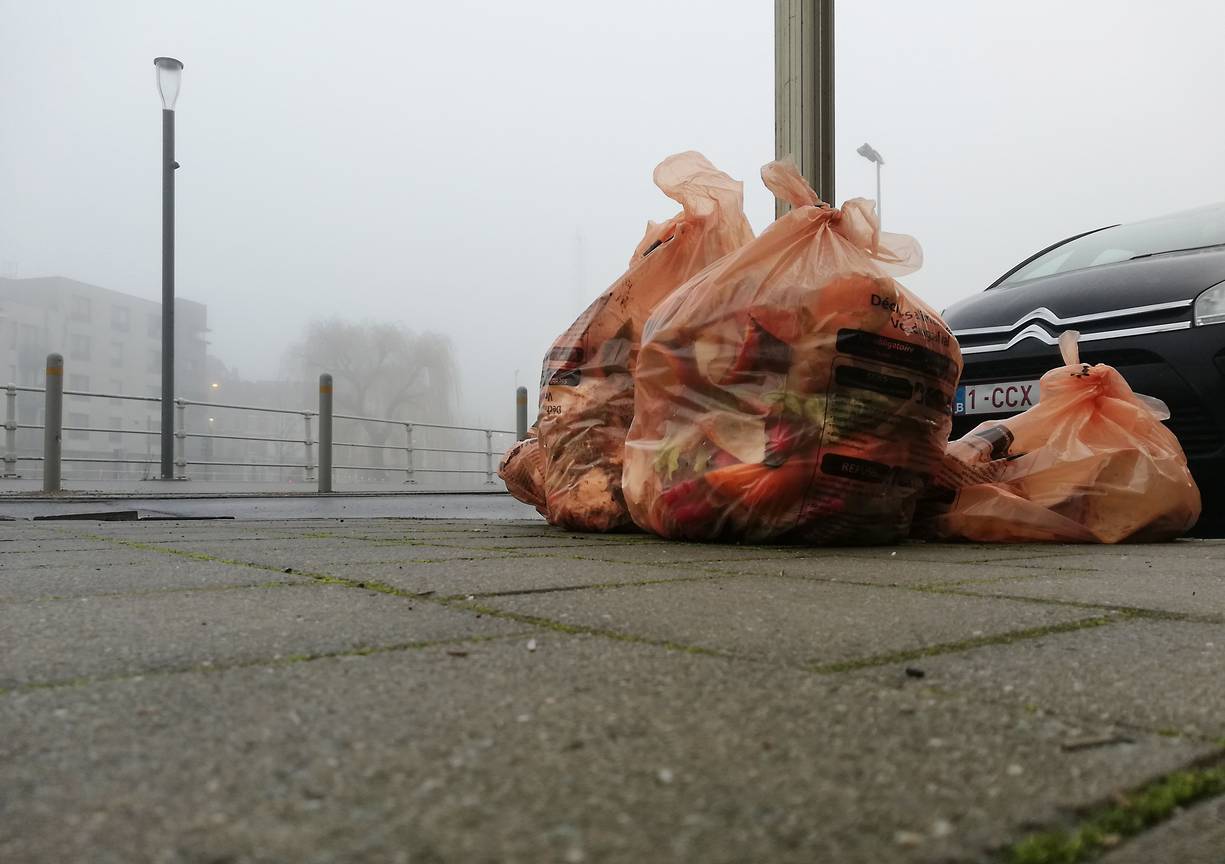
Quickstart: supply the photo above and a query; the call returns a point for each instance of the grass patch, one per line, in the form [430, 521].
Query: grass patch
[1109, 825]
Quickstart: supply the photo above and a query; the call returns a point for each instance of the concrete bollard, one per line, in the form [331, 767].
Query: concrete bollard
[520, 413]
[325, 432]
[53, 431]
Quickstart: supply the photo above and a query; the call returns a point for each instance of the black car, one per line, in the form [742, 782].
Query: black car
[1147, 297]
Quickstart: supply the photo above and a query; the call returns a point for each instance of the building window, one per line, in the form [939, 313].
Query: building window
[155, 326]
[116, 353]
[76, 422]
[78, 347]
[120, 319]
[79, 309]
[78, 382]
[153, 364]
[116, 387]
[116, 437]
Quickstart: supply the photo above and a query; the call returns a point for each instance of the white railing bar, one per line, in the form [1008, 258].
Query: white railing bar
[100, 429]
[241, 437]
[23, 389]
[439, 450]
[252, 464]
[401, 468]
[420, 425]
[296, 411]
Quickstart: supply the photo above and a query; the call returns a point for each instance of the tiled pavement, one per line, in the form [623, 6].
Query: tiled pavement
[469, 691]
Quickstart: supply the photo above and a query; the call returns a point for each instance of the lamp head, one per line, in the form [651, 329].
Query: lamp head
[866, 151]
[169, 77]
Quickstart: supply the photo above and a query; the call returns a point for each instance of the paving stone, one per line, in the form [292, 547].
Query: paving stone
[114, 556]
[10, 547]
[507, 575]
[1170, 588]
[790, 620]
[109, 636]
[885, 571]
[1204, 558]
[317, 555]
[1195, 836]
[582, 750]
[1160, 675]
[684, 553]
[167, 573]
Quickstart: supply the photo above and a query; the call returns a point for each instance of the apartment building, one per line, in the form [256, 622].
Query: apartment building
[111, 343]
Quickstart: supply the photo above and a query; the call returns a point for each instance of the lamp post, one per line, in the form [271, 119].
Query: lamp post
[866, 151]
[169, 77]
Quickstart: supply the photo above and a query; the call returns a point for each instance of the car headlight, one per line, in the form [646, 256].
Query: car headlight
[1210, 306]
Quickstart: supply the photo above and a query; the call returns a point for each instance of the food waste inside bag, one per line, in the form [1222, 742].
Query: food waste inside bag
[795, 391]
[571, 469]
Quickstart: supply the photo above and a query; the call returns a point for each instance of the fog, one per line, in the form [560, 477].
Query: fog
[483, 169]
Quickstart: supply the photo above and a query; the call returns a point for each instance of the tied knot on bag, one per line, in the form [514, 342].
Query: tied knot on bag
[855, 222]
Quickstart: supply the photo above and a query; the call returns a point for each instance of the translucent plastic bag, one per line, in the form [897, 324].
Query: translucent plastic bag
[522, 469]
[794, 391]
[587, 385]
[1090, 463]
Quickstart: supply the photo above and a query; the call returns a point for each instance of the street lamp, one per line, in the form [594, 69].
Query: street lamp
[866, 151]
[169, 77]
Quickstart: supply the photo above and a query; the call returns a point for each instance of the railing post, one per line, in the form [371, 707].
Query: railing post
[310, 446]
[10, 431]
[408, 454]
[520, 413]
[325, 433]
[489, 456]
[53, 431]
[180, 440]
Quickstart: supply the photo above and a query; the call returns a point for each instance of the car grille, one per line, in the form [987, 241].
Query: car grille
[1043, 326]
[1194, 429]
[1020, 368]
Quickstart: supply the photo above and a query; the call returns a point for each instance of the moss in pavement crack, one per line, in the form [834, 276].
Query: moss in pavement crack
[582, 630]
[276, 662]
[1126, 816]
[962, 645]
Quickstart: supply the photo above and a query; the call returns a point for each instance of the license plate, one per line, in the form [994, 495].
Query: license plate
[1008, 397]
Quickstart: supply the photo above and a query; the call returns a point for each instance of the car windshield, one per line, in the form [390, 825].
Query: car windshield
[1191, 229]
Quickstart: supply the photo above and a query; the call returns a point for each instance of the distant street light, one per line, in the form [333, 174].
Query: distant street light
[868, 152]
[169, 78]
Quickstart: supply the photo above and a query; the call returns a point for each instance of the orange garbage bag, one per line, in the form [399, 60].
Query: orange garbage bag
[522, 469]
[587, 385]
[1090, 463]
[794, 391]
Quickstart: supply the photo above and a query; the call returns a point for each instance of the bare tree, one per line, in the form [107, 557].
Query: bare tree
[381, 370]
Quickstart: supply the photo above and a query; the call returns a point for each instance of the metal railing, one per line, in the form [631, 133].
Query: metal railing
[411, 455]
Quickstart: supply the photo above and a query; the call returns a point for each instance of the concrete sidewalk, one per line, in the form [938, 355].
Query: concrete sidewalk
[377, 690]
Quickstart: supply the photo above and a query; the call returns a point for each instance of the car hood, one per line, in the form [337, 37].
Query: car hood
[1171, 280]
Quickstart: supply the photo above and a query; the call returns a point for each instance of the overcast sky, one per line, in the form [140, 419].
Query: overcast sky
[483, 168]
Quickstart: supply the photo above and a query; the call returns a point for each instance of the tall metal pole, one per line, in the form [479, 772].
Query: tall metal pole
[804, 91]
[168, 166]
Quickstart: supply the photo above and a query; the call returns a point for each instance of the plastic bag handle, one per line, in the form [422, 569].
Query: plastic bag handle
[1068, 347]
